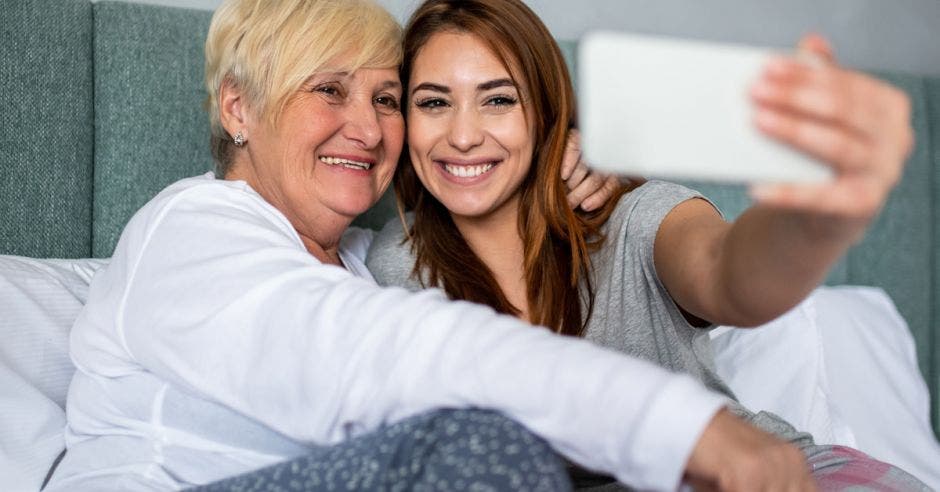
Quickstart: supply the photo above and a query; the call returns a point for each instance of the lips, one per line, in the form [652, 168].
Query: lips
[349, 163]
[468, 169]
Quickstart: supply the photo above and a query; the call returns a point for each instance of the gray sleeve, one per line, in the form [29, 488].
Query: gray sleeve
[640, 213]
[633, 311]
[390, 259]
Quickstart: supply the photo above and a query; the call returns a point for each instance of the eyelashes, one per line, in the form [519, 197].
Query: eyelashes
[430, 103]
[387, 102]
[335, 93]
[499, 103]
[502, 101]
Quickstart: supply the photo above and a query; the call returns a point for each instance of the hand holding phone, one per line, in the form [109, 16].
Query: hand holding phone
[808, 134]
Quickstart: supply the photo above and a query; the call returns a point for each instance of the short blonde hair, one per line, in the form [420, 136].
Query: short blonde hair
[268, 48]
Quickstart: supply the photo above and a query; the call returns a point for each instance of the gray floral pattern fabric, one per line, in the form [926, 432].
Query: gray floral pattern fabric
[472, 450]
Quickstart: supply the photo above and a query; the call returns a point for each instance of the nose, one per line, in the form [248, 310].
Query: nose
[466, 131]
[362, 126]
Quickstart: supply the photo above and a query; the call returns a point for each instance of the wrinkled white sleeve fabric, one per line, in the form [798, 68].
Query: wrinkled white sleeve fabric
[223, 300]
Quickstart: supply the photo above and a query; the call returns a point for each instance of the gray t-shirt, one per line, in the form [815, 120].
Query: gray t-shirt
[633, 312]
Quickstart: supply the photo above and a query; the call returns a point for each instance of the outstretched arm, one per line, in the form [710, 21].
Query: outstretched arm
[773, 255]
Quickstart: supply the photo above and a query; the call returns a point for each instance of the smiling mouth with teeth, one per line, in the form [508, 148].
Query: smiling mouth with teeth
[467, 171]
[349, 164]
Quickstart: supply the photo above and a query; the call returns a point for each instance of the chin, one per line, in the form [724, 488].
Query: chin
[469, 210]
[353, 207]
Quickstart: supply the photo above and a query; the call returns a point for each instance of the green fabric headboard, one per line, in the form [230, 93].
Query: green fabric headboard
[46, 129]
[150, 128]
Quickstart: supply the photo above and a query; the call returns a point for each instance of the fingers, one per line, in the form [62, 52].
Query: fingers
[606, 192]
[591, 184]
[815, 92]
[586, 188]
[832, 95]
[844, 150]
[860, 198]
[735, 456]
[857, 124]
[572, 155]
[741, 457]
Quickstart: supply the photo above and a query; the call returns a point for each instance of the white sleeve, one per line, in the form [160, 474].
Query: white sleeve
[223, 300]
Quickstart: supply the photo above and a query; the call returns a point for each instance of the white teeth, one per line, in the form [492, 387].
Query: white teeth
[467, 171]
[338, 161]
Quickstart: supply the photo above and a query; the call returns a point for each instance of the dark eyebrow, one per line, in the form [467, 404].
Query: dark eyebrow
[427, 86]
[485, 86]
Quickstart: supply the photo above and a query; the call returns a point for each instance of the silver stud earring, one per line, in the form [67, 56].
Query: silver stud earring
[239, 139]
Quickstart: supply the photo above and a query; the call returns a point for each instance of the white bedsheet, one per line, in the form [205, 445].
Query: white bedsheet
[842, 366]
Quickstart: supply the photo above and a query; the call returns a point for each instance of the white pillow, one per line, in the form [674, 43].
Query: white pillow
[39, 300]
[842, 366]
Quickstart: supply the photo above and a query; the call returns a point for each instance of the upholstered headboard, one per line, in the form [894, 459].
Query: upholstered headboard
[101, 107]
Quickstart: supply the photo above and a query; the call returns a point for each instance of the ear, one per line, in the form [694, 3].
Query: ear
[233, 108]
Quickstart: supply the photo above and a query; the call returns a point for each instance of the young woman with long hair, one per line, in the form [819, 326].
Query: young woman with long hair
[489, 105]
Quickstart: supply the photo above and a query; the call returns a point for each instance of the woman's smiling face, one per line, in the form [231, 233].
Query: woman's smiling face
[469, 138]
[333, 150]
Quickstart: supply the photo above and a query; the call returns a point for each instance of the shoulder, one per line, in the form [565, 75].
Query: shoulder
[193, 212]
[652, 197]
[204, 194]
[644, 208]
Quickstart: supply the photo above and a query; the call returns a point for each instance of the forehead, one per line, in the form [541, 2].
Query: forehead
[456, 57]
[385, 77]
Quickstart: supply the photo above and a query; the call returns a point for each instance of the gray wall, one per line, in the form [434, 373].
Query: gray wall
[899, 35]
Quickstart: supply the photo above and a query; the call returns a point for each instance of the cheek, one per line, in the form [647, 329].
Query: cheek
[421, 138]
[393, 134]
[416, 164]
[515, 135]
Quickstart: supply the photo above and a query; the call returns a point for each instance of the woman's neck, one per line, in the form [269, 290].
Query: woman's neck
[497, 242]
[319, 230]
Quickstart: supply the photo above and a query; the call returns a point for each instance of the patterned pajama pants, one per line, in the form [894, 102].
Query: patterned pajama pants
[483, 451]
[444, 450]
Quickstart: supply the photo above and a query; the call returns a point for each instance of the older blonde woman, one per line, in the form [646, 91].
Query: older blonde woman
[237, 328]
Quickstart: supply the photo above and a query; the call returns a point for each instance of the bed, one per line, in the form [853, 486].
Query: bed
[102, 109]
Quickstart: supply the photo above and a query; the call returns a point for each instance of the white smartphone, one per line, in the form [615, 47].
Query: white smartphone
[676, 109]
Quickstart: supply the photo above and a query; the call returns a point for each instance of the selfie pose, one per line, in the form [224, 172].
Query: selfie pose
[489, 106]
[236, 340]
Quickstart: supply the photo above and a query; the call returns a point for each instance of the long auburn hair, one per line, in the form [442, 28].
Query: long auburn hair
[557, 240]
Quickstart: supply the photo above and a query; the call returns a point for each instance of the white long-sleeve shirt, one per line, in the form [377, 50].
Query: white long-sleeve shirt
[214, 344]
